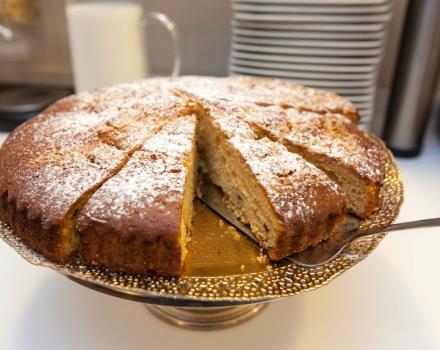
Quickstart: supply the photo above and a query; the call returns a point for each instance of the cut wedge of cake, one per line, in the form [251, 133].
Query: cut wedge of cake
[139, 220]
[330, 142]
[338, 147]
[288, 203]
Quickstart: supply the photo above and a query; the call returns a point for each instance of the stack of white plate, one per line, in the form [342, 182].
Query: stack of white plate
[334, 45]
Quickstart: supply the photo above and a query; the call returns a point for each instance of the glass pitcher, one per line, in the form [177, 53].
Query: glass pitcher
[108, 42]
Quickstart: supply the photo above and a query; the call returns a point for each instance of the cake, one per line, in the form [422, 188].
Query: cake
[109, 176]
[331, 142]
[339, 148]
[289, 203]
[139, 220]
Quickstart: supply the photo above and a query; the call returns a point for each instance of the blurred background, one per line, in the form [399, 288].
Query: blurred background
[377, 53]
[355, 48]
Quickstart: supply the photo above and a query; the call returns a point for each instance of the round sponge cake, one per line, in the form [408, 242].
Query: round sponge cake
[110, 175]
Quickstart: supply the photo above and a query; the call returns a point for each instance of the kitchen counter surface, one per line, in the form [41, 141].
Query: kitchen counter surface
[388, 301]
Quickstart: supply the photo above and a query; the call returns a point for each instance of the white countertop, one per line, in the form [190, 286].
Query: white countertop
[388, 301]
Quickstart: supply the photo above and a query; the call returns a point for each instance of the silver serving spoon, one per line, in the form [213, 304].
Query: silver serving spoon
[325, 251]
[329, 249]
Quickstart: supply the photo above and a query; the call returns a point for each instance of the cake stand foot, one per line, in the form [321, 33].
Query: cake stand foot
[202, 318]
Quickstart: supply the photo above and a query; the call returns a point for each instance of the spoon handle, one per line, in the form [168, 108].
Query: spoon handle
[398, 227]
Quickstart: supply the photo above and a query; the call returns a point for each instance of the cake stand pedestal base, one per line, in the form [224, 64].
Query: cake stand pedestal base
[203, 318]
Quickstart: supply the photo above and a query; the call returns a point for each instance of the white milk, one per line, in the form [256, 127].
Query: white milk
[107, 43]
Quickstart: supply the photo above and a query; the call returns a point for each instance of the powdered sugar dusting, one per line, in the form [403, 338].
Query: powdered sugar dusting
[291, 183]
[151, 185]
[266, 92]
[337, 139]
[330, 135]
[78, 143]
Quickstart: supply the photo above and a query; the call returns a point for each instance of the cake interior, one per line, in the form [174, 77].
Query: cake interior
[244, 195]
[188, 198]
[360, 193]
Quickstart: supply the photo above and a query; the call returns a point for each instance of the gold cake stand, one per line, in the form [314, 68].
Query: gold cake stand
[226, 279]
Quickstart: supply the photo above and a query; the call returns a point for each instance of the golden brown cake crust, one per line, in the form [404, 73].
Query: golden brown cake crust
[132, 222]
[34, 166]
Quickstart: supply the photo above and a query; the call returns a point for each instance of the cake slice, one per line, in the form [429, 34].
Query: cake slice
[330, 142]
[288, 203]
[51, 165]
[343, 151]
[139, 220]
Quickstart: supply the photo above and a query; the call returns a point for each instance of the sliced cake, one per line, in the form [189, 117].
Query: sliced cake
[51, 165]
[342, 150]
[331, 142]
[109, 175]
[288, 203]
[139, 220]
